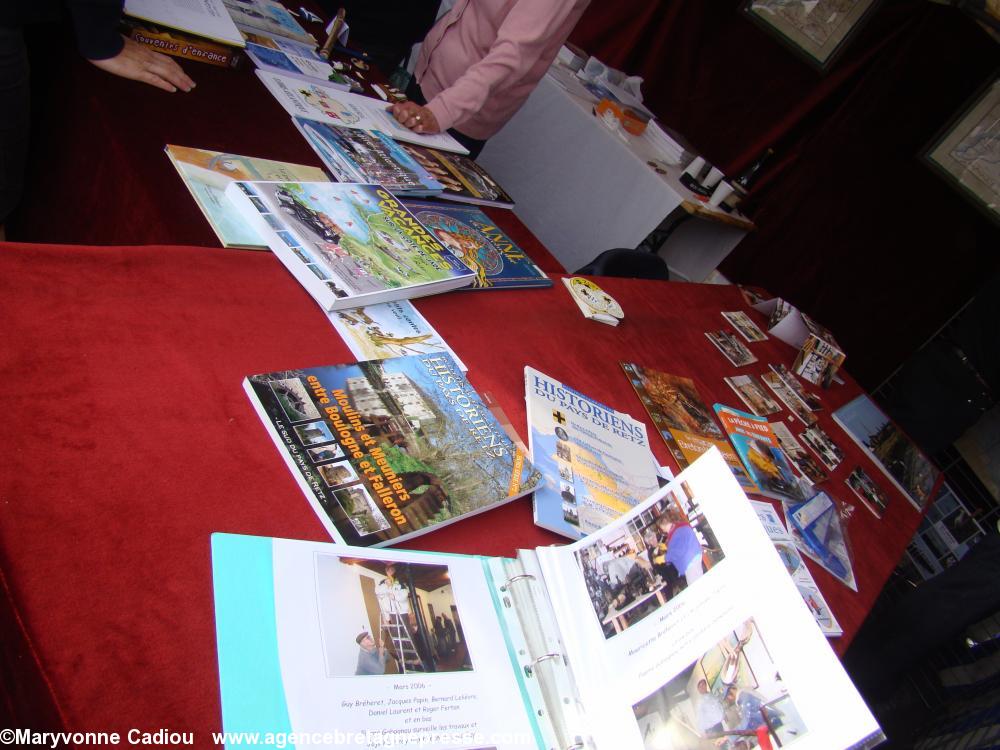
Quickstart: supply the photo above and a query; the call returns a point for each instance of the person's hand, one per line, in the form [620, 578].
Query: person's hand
[418, 119]
[140, 63]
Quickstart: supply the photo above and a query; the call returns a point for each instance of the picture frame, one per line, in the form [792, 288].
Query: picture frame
[966, 152]
[816, 31]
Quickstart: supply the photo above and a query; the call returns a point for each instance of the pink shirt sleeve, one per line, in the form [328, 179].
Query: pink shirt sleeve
[522, 39]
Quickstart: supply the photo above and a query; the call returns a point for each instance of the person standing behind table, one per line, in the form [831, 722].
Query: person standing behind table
[95, 24]
[480, 62]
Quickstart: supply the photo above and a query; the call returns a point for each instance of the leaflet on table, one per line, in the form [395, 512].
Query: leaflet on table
[207, 173]
[317, 101]
[596, 461]
[207, 18]
[817, 528]
[796, 568]
[723, 651]
[460, 652]
[386, 450]
[433, 672]
[301, 64]
[392, 329]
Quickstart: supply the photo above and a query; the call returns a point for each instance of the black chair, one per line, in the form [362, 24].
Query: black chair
[622, 262]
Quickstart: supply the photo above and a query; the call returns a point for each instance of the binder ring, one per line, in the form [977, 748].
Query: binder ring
[511, 580]
[545, 657]
[575, 746]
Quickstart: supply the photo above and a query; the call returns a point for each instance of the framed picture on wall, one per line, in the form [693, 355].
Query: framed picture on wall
[817, 30]
[967, 152]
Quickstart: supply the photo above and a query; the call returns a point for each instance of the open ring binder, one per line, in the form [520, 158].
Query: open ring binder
[512, 579]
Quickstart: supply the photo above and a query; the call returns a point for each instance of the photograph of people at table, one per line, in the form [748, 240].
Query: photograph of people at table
[634, 570]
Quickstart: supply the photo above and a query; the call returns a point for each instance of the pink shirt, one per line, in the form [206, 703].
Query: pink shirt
[484, 57]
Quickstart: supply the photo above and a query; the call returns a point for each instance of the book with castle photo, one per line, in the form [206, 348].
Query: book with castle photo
[388, 449]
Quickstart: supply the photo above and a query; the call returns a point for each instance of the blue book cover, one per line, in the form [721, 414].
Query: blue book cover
[480, 244]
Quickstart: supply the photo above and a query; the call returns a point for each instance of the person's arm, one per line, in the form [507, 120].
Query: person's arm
[520, 42]
[96, 25]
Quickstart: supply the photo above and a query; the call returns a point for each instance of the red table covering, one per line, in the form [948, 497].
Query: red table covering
[128, 440]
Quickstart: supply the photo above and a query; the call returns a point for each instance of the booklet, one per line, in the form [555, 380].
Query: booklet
[464, 179]
[596, 461]
[789, 398]
[868, 492]
[684, 421]
[206, 18]
[785, 545]
[476, 239]
[798, 455]
[893, 452]
[207, 173]
[386, 450]
[760, 451]
[268, 17]
[753, 395]
[318, 101]
[348, 244]
[599, 644]
[392, 329]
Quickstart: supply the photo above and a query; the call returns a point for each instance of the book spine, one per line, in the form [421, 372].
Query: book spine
[526, 609]
[185, 46]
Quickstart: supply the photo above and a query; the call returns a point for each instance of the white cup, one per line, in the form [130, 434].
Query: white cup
[695, 167]
[713, 178]
[723, 191]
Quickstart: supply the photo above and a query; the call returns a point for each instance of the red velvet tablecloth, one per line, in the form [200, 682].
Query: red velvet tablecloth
[128, 440]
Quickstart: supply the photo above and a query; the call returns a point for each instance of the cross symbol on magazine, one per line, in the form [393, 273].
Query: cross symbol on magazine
[558, 416]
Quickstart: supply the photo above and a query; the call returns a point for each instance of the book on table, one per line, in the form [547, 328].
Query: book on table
[205, 18]
[292, 59]
[485, 248]
[268, 17]
[355, 155]
[597, 644]
[596, 461]
[318, 101]
[386, 450]
[207, 173]
[683, 419]
[464, 179]
[760, 451]
[391, 329]
[348, 244]
[892, 451]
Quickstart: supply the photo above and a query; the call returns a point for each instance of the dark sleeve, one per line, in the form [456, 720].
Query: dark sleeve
[96, 25]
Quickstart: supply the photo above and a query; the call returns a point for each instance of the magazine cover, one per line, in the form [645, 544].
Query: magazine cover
[392, 329]
[683, 420]
[761, 454]
[596, 461]
[207, 173]
[319, 101]
[288, 62]
[896, 455]
[753, 395]
[355, 155]
[796, 568]
[386, 450]
[349, 245]
[463, 178]
[473, 236]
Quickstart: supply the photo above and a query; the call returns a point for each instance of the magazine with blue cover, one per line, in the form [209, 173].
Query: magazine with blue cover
[388, 449]
[476, 239]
